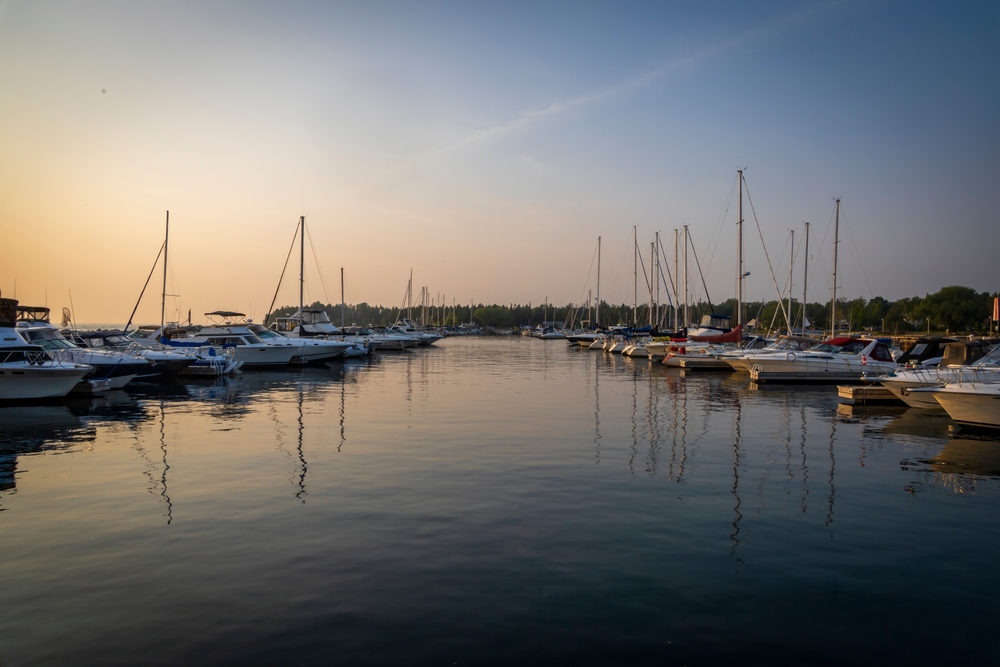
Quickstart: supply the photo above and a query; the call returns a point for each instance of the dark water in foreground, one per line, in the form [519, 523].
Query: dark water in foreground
[503, 501]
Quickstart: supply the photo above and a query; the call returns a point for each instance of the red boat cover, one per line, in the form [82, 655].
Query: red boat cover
[734, 336]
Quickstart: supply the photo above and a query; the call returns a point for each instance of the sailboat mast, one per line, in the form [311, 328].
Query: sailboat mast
[677, 282]
[805, 279]
[836, 240]
[597, 319]
[302, 273]
[163, 297]
[739, 250]
[635, 277]
[659, 275]
[343, 304]
[687, 320]
[791, 265]
[409, 297]
[652, 272]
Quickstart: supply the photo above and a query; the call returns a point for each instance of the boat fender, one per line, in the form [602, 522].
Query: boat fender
[864, 360]
[790, 356]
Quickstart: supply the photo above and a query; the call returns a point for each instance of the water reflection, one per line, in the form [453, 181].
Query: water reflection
[26, 430]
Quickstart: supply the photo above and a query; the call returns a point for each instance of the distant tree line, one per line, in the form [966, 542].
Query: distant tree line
[954, 309]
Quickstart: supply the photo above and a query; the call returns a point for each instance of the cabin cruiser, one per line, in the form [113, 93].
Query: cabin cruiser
[841, 359]
[737, 359]
[233, 332]
[26, 371]
[550, 333]
[953, 368]
[315, 324]
[688, 354]
[308, 350]
[118, 368]
[163, 363]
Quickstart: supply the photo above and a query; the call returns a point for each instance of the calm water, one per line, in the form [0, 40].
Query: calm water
[493, 501]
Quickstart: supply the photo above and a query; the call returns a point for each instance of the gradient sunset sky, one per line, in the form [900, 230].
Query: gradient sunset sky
[487, 145]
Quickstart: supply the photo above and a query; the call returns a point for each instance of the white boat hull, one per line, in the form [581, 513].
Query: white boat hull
[971, 405]
[25, 382]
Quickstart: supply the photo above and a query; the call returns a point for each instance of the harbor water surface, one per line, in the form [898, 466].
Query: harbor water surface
[493, 501]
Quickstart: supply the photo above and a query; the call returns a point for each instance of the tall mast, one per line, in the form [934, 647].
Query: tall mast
[163, 298]
[597, 319]
[409, 297]
[302, 273]
[836, 240]
[659, 275]
[791, 265]
[687, 320]
[652, 275]
[805, 279]
[739, 250]
[343, 304]
[677, 283]
[635, 277]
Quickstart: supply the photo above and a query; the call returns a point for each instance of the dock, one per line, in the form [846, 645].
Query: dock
[867, 395]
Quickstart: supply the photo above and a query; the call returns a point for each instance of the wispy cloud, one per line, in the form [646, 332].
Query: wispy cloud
[532, 117]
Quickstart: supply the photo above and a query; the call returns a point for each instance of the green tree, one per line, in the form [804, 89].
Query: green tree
[493, 316]
[955, 308]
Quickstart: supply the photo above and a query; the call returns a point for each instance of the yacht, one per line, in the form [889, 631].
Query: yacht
[409, 328]
[715, 329]
[118, 368]
[841, 359]
[26, 371]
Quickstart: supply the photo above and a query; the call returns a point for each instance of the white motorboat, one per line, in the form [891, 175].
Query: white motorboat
[233, 333]
[208, 361]
[409, 328]
[118, 368]
[840, 359]
[905, 380]
[164, 363]
[737, 359]
[308, 350]
[26, 371]
[969, 403]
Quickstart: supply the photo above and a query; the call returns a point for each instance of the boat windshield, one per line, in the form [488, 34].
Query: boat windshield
[252, 339]
[49, 339]
[990, 360]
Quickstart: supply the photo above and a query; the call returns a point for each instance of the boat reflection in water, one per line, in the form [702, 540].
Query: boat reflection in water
[493, 497]
[26, 430]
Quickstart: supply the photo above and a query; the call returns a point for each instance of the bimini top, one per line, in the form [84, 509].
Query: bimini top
[32, 314]
[225, 313]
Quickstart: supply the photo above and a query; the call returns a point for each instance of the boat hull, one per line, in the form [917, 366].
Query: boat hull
[24, 382]
[971, 408]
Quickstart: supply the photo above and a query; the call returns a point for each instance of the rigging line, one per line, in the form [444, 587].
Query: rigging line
[292, 247]
[643, 265]
[761, 234]
[666, 266]
[158, 255]
[593, 259]
[819, 255]
[720, 225]
[698, 264]
[850, 235]
[322, 280]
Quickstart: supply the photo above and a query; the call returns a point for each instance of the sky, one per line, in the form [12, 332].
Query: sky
[486, 146]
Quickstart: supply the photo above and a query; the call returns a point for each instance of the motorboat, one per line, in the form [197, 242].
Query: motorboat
[685, 350]
[969, 403]
[308, 350]
[841, 359]
[409, 328]
[26, 371]
[207, 361]
[925, 351]
[737, 359]
[233, 332]
[118, 368]
[953, 368]
[550, 333]
[164, 363]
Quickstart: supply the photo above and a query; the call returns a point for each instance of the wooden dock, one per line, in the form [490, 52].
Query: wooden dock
[867, 395]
